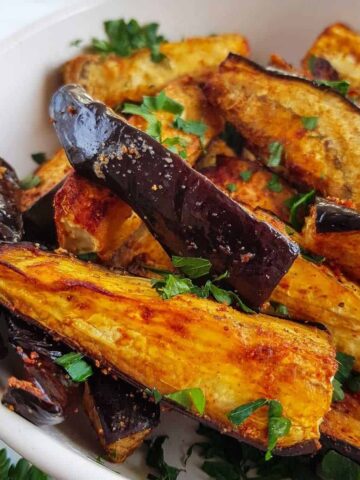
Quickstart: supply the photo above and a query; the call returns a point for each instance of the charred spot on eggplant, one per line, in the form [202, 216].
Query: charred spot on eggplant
[11, 226]
[321, 69]
[121, 415]
[184, 210]
[331, 217]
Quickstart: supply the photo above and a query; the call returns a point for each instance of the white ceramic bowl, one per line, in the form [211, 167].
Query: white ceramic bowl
[30, 64]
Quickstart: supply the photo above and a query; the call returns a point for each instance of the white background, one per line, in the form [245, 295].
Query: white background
[16, 14]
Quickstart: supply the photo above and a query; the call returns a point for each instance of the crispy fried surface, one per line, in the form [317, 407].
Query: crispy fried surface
[339, 45]
[342, 425]
[180, 343]
[187, 92]
[254, 192]
[343, 248]
[114, 79]
[268, 107]
[50, 173]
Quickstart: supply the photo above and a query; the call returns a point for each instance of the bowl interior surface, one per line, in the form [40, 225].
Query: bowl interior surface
[30, 64]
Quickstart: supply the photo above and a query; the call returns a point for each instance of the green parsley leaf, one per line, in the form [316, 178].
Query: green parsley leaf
[278, 427]
[126, 38]
[190, 397]
[353, 383]
[4, 464]
[162, 102]
[275, 152]
[193, 267]
[280, 309]
[155, 459]
[31, 181]
[193, 127]
[76, 42]
[232, 138]
[221, 470]
[309, 123]
[221, 295]
[337, 467]
[239, 414]
[290, 231]
[312, 257]
[338, 392]
[297, 202]
[154, 392]
[231, 187]
[274, 184]
[78, 369]
[174, 144]
[87, 257]
[346, 363]
[39, 157]
[246, 175]
[172, 285]
[241, 304]
[23, 470]
[340, 86]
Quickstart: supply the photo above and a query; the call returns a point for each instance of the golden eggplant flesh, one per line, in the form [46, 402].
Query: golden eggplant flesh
[184, 342]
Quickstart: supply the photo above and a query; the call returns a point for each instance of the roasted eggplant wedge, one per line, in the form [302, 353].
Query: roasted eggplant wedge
[122, 415]
[339, 45]
[45, 395]
[11, 225]
[185, 211]
[124, 324]
[341, 428]
[333, 231]
[114, 79]
[269, 110]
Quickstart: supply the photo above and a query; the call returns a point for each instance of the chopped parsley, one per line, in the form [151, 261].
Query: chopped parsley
[76, 43]
[125, 38]
[176, 145]
[193, 127]
[187, 398]
[246, 175]
[343, 374]
[39, 157]
[309, 123]
[23, 470]
[296, 204]
[232, 138]
[155, 459]
[78, 369]
[275, 153]
[312, 257]
[278, 426]
[154, 393]
[172, 284]
[31, 181]
[274, 184]
[337, 467]
[162, 103]
[340, 86]
[231, 187]
[280, 309]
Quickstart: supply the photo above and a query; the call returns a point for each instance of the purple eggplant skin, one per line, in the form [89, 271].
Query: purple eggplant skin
[11, 225]
[46, 395]
[322, 69]
[39, 222]
[187, 213]
[121, 408]
[331, 218]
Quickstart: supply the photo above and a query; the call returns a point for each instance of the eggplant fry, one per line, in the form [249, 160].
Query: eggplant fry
[247, 182]
[188, 93]
[11, 225]
[124, 324]
[333, 231]
[121, 415]
[340, 429]
[182, 208]
[268, 109]
[340, 46]
[114, 79]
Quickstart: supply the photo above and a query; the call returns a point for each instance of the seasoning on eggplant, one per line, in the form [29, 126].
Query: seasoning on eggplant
[123, 323]
[11, 227]
[184, 210]
[45, 395]
[122, 415]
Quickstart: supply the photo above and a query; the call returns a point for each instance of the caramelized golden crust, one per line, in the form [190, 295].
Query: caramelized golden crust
[254, 192]
[343, 248]
[50, 173]
[268, 107]
[341, 426]
[180, 343]
[339, 45]
[114, 79]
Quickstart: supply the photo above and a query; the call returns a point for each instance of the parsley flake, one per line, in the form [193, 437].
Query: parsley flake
[193, 267]
[78, 369]
[155, 459]
[76, 43]
[275, 152]
[337, 467]
[274, 184]
[190, 397]
[124, 39]
[246, 175]
[296, 204]
[309, 123]
[193, 127]
[31, 181]
[345, 365]
[23, 470]
[154, 393]
[312, 257]
[340, 86]
[39, 157]
[231, 187]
